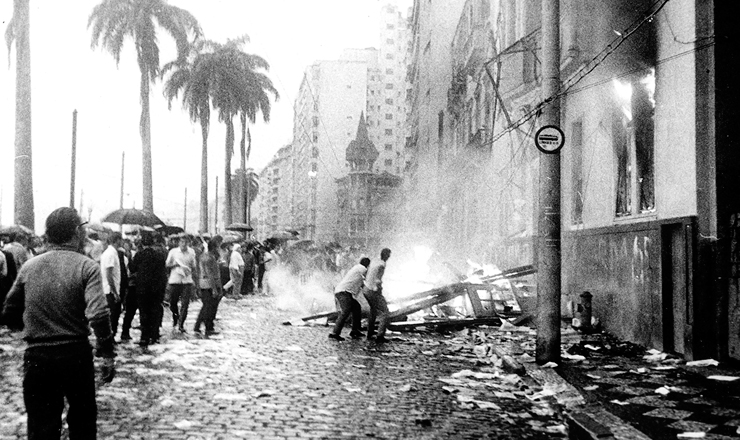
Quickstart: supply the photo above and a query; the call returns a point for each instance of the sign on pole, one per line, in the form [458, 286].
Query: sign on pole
[549, 139]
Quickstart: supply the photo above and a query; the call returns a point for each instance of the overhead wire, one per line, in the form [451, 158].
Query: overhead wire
[586, 68]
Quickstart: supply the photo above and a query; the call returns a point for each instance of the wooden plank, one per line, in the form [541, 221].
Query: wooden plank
[328, 315]
[475, 301]
[408, 326]
[438, 298]
[516, 272]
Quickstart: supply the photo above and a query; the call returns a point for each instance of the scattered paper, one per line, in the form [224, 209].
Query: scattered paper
[526, 358]
[619, 402]
[486, 405]
[573, 357]
[655, 357]
[184, 424]
[723, 378]
[226, 396]
[702, 363]
[691, 435]
[593, 376]
[592, 347]
[550, 365]
[591, 388]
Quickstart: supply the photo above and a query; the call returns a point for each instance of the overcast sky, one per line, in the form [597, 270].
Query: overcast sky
[67, 74]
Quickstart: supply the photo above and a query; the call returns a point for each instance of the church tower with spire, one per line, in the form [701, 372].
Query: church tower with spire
[364, 195]
[361, 153]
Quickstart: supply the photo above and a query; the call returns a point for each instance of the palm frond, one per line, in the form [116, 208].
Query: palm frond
[10, 37]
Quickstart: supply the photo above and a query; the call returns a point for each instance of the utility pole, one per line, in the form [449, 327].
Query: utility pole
[123, 168]
[248, 214]
[74, 160]
[215, 214]
[185, 211]
[548, 255]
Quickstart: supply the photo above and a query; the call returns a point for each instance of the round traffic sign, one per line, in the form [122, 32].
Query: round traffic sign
[549, 139]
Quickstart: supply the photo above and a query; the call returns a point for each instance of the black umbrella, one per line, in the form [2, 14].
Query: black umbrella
[138, 217]
[169, 230]
[283, 235]
[232, 237]
[241, 227]
[16, 229]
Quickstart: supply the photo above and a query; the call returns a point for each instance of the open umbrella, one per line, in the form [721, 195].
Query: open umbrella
[169, 229]
[241, 227]
[283, 235]
[302, 244]
[16, 229]
[232, 237]
[138, 217]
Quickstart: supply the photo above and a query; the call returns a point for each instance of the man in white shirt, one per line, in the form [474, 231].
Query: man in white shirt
[236, 270]
[345, 294]
[374, 294]
[110, 269]
[182, 264]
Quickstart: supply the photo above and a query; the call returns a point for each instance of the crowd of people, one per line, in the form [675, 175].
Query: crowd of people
[149, 273]
[75, 279]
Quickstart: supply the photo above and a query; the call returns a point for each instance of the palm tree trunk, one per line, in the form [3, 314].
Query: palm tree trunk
[146, 141]
[23, 195]
[203, 226]
[243, 174]
[228, 217]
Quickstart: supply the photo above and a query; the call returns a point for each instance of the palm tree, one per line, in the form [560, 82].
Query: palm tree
[240, 89]
[114, 20]
[194, 77]
[18, 31]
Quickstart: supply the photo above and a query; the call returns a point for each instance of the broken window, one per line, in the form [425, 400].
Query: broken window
[633, 140]
[576, 148]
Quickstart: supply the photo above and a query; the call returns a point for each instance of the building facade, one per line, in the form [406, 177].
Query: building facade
[332, 96]
[273, 206]
[648, 216]
[368, 199]
[430, 73]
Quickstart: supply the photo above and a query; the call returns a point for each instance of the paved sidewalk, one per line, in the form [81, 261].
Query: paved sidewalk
[621, 390]
[260, 379]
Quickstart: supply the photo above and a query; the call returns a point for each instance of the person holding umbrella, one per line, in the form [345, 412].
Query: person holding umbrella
[148, 266]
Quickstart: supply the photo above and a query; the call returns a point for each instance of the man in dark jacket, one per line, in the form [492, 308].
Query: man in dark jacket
[7, 278]
[55, 299]
[148, 266]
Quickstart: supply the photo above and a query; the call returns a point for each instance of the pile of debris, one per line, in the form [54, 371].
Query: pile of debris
[491, 298]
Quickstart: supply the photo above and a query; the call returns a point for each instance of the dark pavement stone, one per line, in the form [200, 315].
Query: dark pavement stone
[260, 379]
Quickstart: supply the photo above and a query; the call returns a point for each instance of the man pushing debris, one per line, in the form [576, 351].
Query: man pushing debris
[345, 293]
[374, 294]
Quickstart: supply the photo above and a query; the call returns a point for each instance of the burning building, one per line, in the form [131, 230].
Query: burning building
[648, 216]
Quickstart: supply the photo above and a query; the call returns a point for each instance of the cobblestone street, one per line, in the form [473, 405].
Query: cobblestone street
[265, 380]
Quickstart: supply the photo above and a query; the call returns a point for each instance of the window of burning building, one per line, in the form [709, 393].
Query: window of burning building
[633, 140]
[576, 148]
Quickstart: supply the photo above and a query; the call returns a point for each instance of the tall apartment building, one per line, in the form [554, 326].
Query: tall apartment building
[272, 208]
[331, 99]
[387, 107]
[433, 26]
